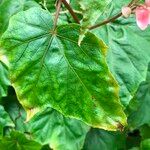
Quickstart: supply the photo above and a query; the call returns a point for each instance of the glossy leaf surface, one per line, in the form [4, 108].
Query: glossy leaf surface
[48, 68]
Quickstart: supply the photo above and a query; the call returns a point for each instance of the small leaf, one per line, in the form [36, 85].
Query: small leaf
[49, 69]
[92, 10]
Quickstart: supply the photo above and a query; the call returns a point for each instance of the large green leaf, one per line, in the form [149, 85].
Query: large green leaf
[49, 69]
[4, 120]
[128, 53]
[104, 140]
[18, 141]
[139, 107]
[62, 133]
[4, 79]
[11, 7]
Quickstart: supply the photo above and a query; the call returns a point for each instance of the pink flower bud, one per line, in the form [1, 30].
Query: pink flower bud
[126, 11]
[147, 2]
[142, 17]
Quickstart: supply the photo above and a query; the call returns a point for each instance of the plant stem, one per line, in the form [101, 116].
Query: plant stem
[58, 7]
[105, 21]
[71, 11]
[114, 17]
[130, 4]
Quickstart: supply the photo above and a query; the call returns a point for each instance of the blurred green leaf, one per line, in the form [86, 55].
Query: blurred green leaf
[104, 140]
[4, 79]
[133, 139]
[145, 145]
[16, 112]
[17, 141]
[145, 132]
[135, 148]
[139, 107]
[62, 133]
[4, 120]
[46, 147]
